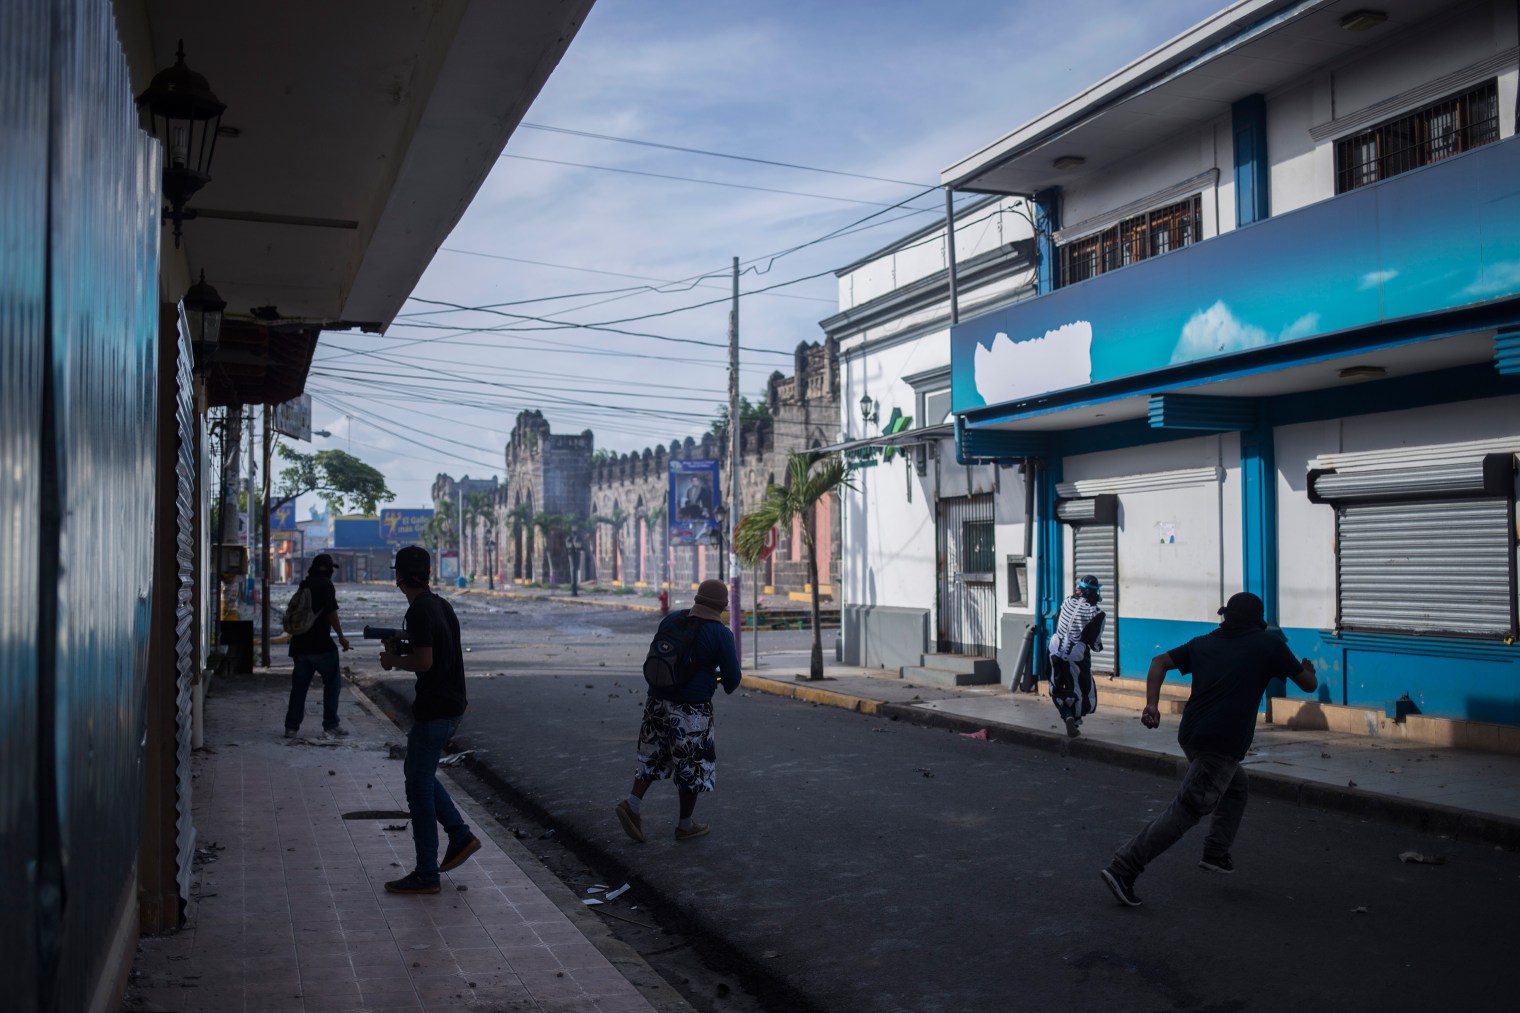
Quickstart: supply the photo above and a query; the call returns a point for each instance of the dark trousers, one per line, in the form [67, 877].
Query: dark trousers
[306, 666]
[426, 797]
[1214, 785]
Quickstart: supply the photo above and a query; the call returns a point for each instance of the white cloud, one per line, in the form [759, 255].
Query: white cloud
[1215, 331]
[1012, 370]
[1502, 278]
[1373, 279]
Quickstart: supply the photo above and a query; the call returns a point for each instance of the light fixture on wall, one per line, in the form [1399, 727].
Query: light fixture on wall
[203, 313]
[1360, 21]
[870, 410]
[1065, 162]
[1363, 373]
[180, 109]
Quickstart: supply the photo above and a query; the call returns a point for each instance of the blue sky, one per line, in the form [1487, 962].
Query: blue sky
[892, 90]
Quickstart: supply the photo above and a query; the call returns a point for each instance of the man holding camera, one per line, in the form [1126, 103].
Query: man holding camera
[432, 650]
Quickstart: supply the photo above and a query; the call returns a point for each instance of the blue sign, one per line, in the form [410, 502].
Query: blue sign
[694, 499]
[1438, 238]
[403, 527]
[357, 533]
[283, 517]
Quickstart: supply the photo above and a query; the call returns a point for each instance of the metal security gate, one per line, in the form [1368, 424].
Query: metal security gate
[1094, 524]
[1437, 566]
[1095, 550]
[967, 590]
[184, 608]
[1425, 550]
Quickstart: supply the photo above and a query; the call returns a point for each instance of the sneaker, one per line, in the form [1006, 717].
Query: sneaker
[633, 824]
[695, 830]
[335, 732]
[412, 883]
[1072, 731]
[1122, 886]
[455, 854]
[1217, 863]
[290, 733]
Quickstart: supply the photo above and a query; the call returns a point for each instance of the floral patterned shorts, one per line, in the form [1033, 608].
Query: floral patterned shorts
[675, 739]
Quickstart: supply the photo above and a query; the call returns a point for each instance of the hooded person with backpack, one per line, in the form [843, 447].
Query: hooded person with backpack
[310, 619]
[692, 652]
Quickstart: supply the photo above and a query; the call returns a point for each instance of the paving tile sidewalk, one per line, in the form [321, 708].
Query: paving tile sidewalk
[291, 912]
[1479, 793]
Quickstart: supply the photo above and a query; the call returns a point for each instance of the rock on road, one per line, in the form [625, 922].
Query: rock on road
[876, 866]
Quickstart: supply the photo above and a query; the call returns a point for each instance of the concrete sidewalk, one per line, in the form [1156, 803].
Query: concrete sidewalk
[296, 838]
[1439, 790]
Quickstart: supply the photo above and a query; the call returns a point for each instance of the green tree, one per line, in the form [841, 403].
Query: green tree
[552, 526]
[615, 520]
[655, 518]
[342, 481]
[750, 415]
[476, 507]
[810, 477]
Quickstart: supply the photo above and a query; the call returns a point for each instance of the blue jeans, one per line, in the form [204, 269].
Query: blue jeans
[427, 799]
[1214, 785]
[306, 666]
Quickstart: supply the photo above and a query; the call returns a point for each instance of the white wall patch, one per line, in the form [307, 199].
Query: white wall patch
[1012, 370]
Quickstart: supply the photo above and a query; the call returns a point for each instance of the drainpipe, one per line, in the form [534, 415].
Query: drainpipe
[955, 308]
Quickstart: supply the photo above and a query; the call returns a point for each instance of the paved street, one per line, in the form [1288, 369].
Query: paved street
[874, 865]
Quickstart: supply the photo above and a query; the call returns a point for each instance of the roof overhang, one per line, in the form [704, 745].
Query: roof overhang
[354, 138]
[1250, 47]
[907, 438]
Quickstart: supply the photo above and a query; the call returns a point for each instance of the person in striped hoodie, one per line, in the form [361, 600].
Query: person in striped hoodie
[1079, 627]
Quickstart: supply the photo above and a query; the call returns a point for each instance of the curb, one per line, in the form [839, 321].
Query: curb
[1425, 817]
[687, 920]
[814, 694]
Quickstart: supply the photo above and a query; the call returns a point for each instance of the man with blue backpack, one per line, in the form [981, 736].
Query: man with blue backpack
[692, 651]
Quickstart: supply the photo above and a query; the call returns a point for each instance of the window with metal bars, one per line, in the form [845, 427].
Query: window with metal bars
[1449, 127]
[1146, 235]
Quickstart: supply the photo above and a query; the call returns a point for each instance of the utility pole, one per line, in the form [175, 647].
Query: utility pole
[735, 616]
[264, 556]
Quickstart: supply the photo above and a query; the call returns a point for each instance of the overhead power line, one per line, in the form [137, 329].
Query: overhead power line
[712, 154]
[707, 182]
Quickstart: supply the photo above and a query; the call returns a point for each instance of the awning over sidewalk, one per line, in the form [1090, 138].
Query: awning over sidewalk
[909, 438]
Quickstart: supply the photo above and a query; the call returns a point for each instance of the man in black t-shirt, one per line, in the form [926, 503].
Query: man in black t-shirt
[313, 652]
[432, 650]
[1231, 668]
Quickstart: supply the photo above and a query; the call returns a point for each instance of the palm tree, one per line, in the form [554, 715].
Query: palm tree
[477, 506]
[551, 525]
[615, 520]
[655, 518]
[521, 517]
[805, 486]
[438, 531]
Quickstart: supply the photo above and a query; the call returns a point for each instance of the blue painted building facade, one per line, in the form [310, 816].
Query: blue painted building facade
[1275, 345]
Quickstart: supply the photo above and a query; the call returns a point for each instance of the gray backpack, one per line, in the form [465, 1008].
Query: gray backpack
[298, 616]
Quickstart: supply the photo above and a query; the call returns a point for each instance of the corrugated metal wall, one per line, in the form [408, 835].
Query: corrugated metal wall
[184, 604]
[1095, 551]
[24, 33]
[78, 306]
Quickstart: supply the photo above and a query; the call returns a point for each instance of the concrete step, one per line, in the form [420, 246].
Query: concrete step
[946, 677]
[953, 670]
[969, 663]
[1129, 694]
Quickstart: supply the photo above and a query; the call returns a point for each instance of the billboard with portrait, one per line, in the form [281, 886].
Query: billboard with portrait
[695, 497]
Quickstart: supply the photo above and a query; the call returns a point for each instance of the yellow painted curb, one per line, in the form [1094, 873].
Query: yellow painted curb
[812, 694]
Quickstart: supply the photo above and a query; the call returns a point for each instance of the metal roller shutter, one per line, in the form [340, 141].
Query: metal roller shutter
[1436, 566]
[1095, 550]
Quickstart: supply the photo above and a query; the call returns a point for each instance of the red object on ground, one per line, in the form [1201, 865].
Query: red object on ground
[664, 603]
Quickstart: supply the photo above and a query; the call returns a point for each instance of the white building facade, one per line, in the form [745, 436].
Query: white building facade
[1273, 345]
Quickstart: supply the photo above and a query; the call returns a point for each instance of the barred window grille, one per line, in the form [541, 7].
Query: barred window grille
[1449, 127]
[1146, 235]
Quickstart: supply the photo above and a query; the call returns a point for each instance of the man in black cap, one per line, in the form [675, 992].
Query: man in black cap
[434, 654]
[675, 737]
[313, 652]
[1231, 667]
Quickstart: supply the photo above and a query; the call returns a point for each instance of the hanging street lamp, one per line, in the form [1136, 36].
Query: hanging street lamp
[203, 312]
[180, 109]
